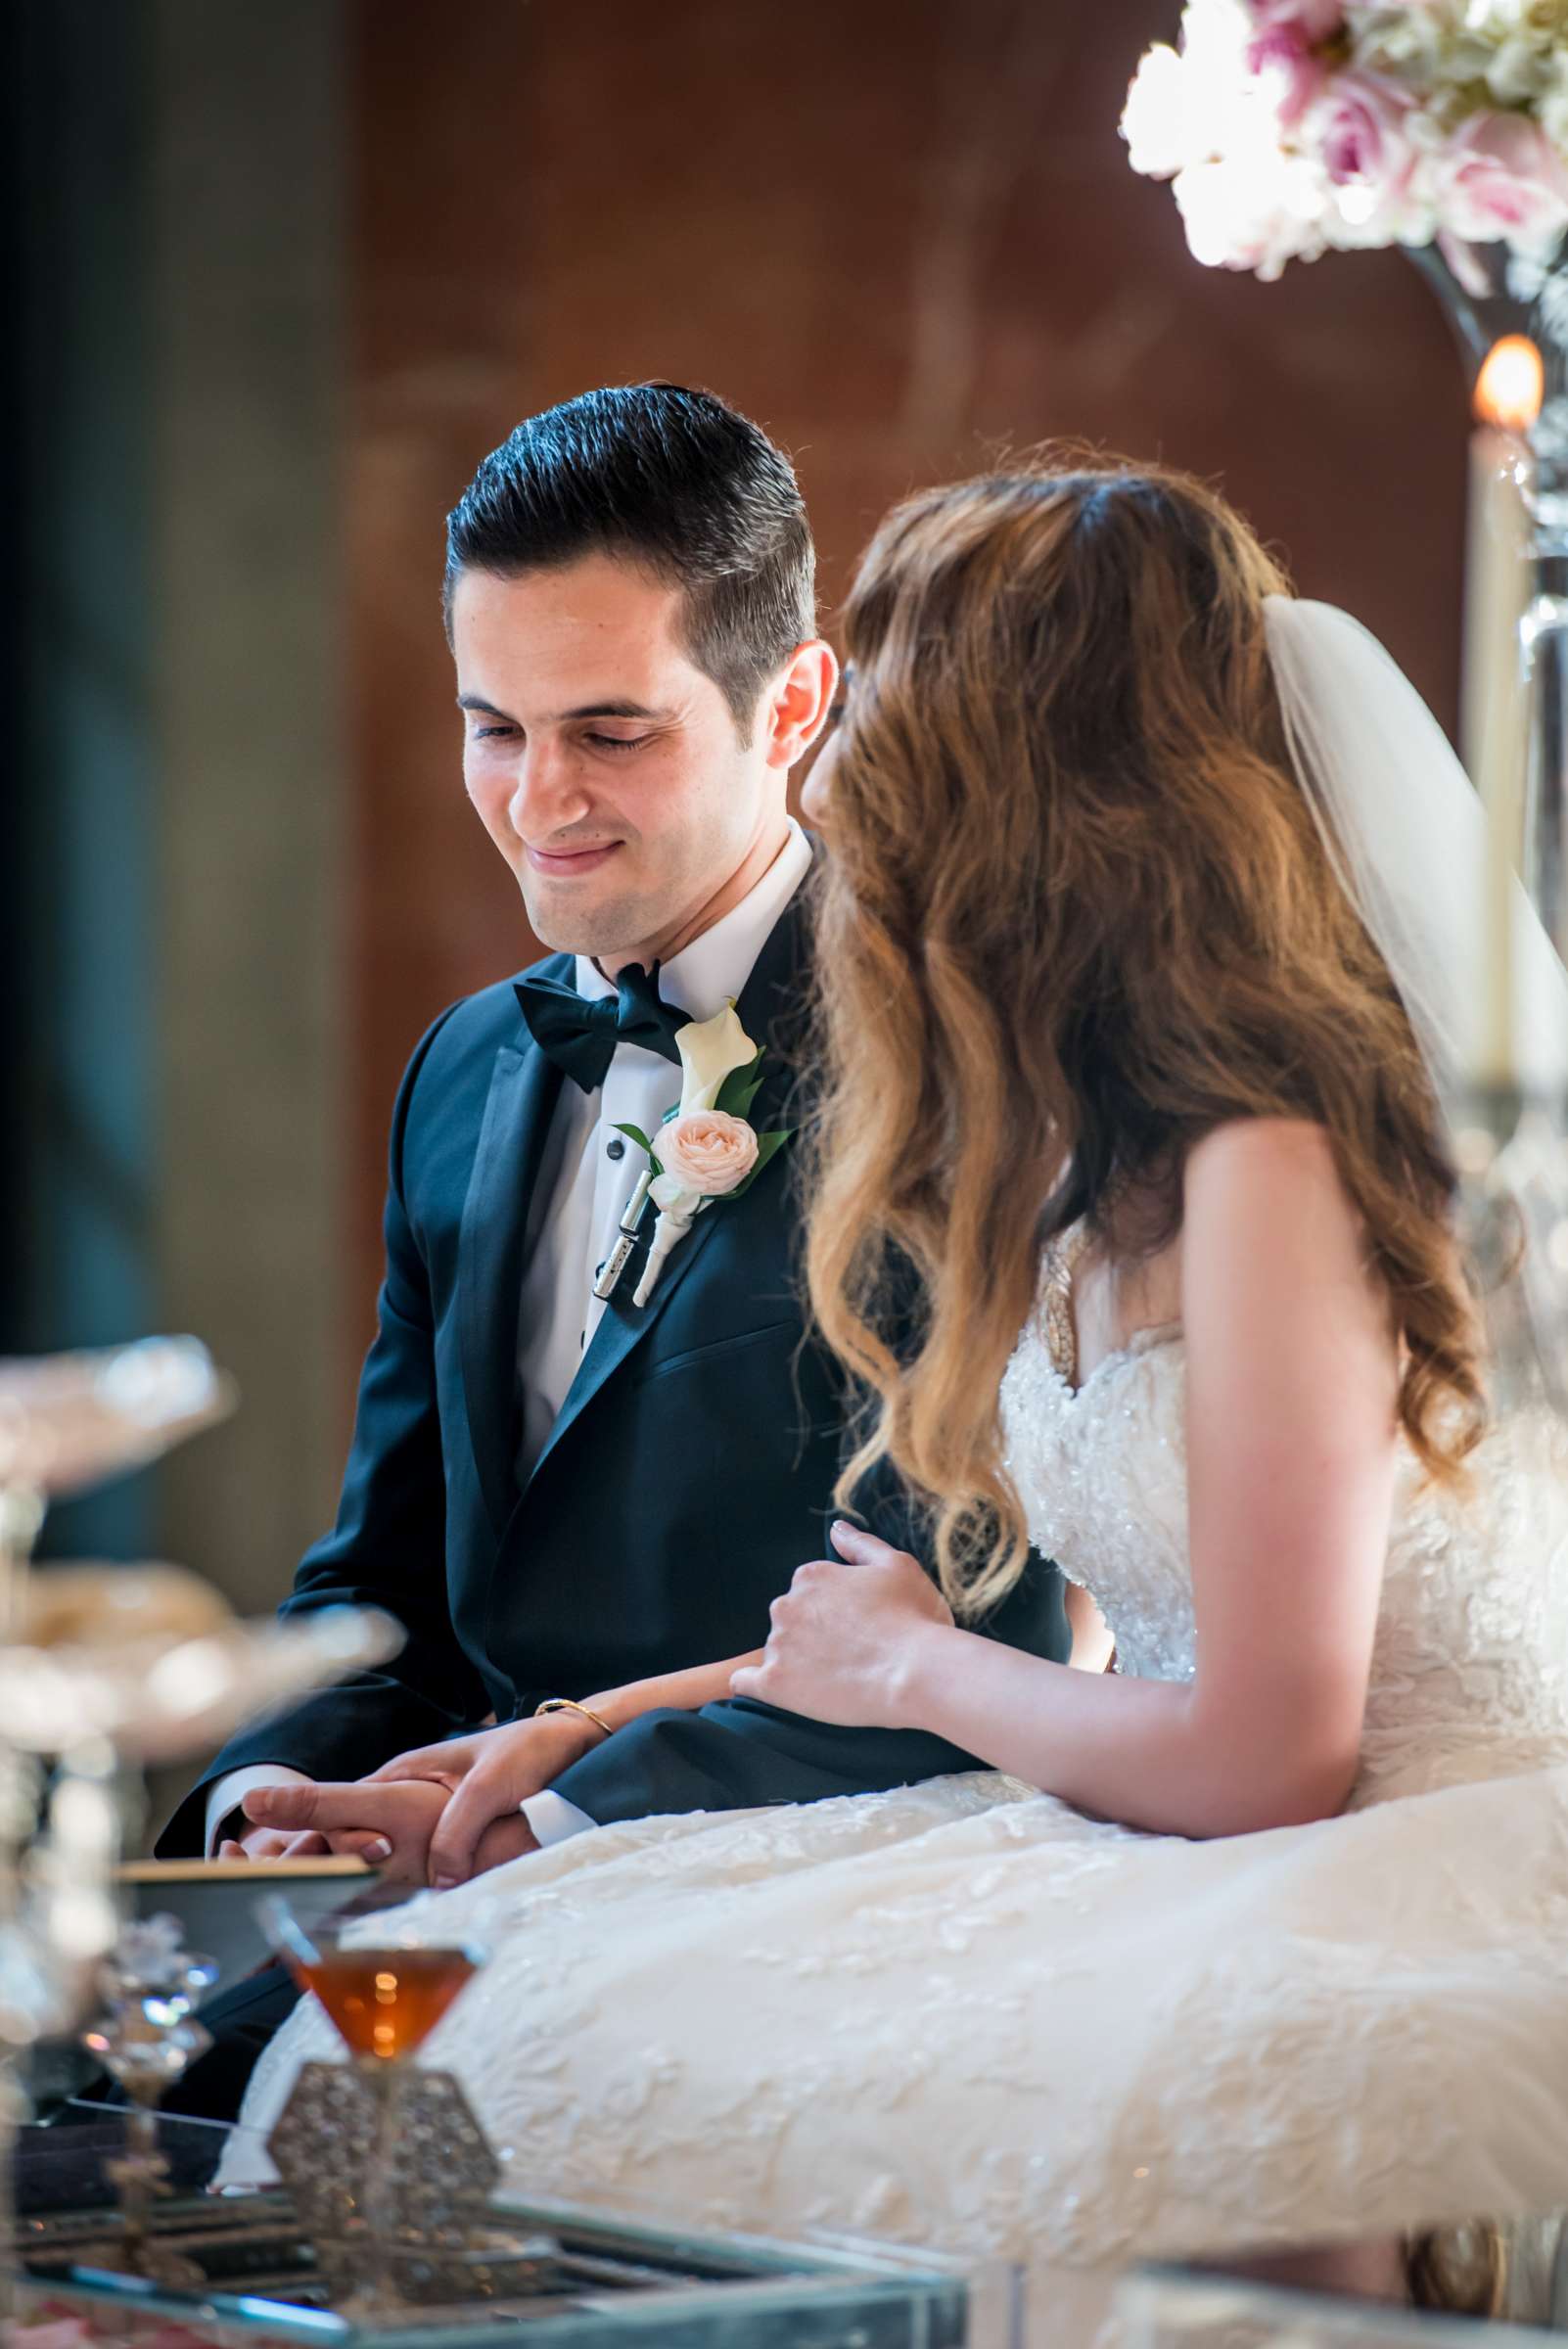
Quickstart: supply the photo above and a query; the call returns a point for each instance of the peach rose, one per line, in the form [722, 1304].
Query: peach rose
[706, 1151]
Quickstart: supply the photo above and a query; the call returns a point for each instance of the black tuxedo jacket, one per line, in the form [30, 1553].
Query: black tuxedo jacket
[689, 1473]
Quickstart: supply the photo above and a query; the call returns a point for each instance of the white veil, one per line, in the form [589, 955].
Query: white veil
[1407, 835]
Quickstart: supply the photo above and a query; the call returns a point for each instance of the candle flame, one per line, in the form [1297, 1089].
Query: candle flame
[1508, 390]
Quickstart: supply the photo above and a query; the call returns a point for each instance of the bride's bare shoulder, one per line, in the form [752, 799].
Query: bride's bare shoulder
[1262, 1149]
[1264, 1170]
[1270, 1225]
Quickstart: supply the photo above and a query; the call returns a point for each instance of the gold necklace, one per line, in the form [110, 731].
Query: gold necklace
[1062, 1258]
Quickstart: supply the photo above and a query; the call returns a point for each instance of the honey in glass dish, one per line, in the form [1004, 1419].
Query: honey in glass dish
[385, 2002]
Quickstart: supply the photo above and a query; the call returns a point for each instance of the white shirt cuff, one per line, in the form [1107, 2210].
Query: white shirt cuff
[227, 1794]
[551, 1816]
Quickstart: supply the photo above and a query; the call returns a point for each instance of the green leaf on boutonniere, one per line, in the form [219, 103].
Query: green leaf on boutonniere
[767, 1149]
[634, 1134]
[741, 1088]
[741, 1105]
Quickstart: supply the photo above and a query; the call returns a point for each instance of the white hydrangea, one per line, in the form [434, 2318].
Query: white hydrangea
[1415, 46]
[1161, 123]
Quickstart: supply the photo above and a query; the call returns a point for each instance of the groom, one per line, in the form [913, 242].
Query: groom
[557, 1494]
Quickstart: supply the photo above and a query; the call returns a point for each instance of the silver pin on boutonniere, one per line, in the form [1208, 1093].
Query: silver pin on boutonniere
[604, 1287]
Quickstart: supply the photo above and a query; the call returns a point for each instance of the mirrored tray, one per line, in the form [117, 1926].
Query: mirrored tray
[545, 2273]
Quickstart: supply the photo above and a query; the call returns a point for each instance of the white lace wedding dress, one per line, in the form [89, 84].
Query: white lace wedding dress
[965, 2016]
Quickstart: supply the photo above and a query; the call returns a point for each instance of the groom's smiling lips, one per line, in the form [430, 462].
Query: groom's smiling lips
[570, 862]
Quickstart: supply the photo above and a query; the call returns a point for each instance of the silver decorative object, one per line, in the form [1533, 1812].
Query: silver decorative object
[106, 1668]
[147, 2039]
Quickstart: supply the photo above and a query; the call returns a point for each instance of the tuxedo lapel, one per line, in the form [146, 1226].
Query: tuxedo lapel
[524, 1087]
[625, 1326]
[767, 1002]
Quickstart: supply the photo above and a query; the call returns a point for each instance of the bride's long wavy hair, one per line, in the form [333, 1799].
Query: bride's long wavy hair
[1078, 914]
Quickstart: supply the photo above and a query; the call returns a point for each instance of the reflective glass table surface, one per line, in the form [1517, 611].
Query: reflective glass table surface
[556, 2274]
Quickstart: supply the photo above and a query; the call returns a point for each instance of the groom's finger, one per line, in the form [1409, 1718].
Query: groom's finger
[325, 1808]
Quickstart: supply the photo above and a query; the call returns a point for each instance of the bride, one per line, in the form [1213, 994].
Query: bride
[1147, 972]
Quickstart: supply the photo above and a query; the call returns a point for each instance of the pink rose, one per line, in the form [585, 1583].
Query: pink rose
[1359, 133]
[706, 1151]
[1501, 177]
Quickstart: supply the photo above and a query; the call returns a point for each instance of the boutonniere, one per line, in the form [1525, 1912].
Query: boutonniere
[706, 1149]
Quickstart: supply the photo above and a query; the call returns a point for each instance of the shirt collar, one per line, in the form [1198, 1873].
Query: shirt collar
[713, 969]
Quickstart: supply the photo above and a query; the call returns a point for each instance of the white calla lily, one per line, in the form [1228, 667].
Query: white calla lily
[709, 1051]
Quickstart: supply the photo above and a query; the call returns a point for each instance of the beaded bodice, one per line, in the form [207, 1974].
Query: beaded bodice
[1472, 1632]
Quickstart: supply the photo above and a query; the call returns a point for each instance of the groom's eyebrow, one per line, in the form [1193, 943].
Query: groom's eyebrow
[617, 709]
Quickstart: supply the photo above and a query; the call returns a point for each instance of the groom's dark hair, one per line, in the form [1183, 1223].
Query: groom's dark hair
[675, 482]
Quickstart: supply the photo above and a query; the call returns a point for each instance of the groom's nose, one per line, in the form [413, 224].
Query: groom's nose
[547, 791]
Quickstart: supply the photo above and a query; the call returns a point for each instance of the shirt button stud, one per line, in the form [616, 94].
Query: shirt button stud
[615, 1149]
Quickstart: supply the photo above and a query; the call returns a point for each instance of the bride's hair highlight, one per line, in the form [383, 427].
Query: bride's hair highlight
[1078, 914]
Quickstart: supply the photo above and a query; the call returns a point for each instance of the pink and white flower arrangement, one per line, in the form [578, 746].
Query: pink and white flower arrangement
[1291, 127]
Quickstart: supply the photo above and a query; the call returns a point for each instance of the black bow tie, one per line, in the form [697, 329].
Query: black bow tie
[580, 1033]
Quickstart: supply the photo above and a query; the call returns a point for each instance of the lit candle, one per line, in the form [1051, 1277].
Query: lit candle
[1494, 732]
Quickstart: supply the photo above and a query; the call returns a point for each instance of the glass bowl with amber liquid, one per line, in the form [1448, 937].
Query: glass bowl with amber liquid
[383, 1989]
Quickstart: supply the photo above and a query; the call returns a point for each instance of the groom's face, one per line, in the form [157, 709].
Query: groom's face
[607, 768]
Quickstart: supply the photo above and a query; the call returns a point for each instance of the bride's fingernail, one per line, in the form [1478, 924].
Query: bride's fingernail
[378, 1851]
[442, 1883]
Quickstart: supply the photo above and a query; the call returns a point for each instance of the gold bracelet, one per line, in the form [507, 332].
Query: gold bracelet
[569, 1704]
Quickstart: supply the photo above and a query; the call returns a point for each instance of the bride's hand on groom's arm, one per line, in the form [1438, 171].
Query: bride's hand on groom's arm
[845, 1637]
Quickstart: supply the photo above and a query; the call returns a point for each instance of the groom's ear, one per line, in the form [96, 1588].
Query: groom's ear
[796, 706]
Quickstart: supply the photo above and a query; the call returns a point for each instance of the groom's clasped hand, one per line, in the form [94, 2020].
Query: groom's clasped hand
[435, 1816]
[841, 1646]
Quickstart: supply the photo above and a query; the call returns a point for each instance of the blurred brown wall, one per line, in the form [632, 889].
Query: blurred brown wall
[898, 235]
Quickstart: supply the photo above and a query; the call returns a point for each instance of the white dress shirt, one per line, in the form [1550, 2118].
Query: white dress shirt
[586, 1178]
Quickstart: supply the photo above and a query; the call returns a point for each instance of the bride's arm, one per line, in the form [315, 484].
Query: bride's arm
[1292, 1377]
[686, 1692]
